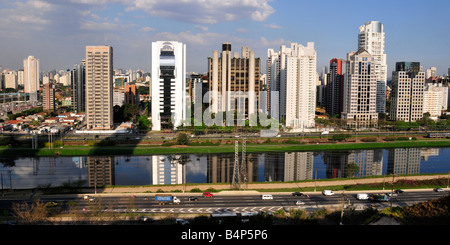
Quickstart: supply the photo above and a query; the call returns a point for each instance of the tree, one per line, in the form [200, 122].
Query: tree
[130, 112]
[144, 123]
[182, 139]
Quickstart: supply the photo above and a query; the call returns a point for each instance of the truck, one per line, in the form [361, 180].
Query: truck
[379, 198]
[167, 199]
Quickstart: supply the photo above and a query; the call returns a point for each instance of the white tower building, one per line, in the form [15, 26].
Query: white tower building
[372, 39]
[31, 77]
[293, 75]
[168, 85]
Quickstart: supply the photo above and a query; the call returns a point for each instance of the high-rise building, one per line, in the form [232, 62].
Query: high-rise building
[293, 75]
[48, 97]
[11, 79]
[360, 88]
[372, 39]
[335, 88]
[31, 77]
[431, 72]
[78, 82]
[99, 87]
[234, 82]
[407, 95]
[435, 99]
[168, 85]
[131, 94]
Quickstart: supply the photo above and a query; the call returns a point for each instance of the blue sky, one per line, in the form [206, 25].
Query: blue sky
[57, 31]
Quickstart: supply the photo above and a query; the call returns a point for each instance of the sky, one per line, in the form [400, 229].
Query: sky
[57, 31]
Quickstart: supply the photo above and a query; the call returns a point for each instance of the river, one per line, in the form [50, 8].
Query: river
[31, 172]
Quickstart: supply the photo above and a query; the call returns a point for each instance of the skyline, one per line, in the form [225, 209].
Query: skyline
[57, 32]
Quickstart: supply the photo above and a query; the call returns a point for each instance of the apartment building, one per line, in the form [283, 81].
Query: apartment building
[31, 72]
[48, 97]
[99, 87]
[293, 76]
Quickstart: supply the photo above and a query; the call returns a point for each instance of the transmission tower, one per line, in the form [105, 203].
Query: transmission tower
[239, 169]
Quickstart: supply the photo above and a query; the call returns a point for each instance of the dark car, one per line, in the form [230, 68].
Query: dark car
[192, 199]
[398, 191]
[298, 194]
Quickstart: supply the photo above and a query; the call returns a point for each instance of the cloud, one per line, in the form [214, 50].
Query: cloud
[205, 11]
[104, 26]
[264, 42]
[32, 14]
[204, 38]
[273, 26]
[147, 29]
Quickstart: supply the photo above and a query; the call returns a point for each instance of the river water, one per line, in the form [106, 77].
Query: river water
[31, 172]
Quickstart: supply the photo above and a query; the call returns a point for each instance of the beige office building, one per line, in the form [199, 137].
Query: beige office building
[99, 87]
[234, 81]
[360, 90]
[407, 96]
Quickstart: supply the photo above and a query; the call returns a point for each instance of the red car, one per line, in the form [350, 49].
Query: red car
[207, 194]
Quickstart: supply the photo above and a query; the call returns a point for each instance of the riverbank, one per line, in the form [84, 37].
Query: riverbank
[127, 149]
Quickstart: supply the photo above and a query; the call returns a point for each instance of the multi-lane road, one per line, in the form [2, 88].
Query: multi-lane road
[229, 203]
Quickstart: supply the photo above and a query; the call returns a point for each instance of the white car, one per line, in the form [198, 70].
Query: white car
[299, 203]
[438, 189]
[327, 192]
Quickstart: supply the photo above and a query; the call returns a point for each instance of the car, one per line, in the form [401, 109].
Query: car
[267, 197]
[207, 194]
[298, 194]
[92, 199]
[299, 203]
[438, 189]
[86, 197]
[146, 219]
[51, 204]
[392, 194]
[327, 192]
[398, 191]
[192, 199]
[182, 222]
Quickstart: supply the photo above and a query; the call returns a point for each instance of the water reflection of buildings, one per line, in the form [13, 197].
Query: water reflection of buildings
[101, 171]
[408, 160]
[288, 166]
[168, 169]
[369, 162]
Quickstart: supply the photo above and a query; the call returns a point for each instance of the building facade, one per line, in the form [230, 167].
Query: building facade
[335, 88]
[234, 82]
[168, 87]
[293, 76]
[31, 72]
[99, 87]
[372, 38]
[48, 97]
[407, 95]
[78, 83]
[360, 90]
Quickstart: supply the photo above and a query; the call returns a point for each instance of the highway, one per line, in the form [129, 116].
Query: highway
[145, 203]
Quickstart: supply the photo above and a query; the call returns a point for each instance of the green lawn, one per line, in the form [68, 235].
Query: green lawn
[152, 150]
